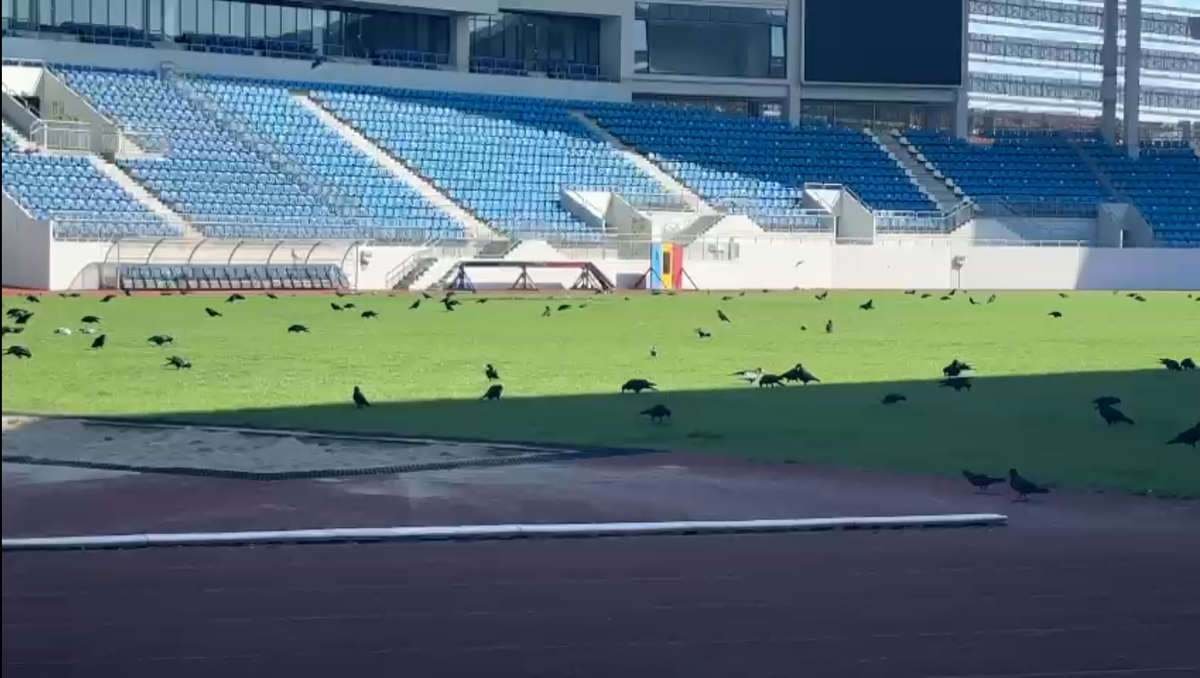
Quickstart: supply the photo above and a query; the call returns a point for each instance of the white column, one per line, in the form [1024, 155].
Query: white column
[795, 58]
[1108, 63]
[460, 41]
[1133, 74]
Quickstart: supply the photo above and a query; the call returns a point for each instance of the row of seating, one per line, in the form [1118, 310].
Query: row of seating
[1163, 182]
[230, 277]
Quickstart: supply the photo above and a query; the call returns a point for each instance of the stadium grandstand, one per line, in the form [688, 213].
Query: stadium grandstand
[176, 143]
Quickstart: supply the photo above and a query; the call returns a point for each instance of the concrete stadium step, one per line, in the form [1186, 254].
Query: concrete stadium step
[16, 137]
[935, 188]
[473, 226]
[148, 199]
[669, 183]
[421, 267]
[435, 277]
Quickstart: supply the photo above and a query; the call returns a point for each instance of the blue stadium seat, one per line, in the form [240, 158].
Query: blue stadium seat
[230, 277]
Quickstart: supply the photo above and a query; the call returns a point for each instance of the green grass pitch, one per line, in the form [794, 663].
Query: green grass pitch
[1030, 406]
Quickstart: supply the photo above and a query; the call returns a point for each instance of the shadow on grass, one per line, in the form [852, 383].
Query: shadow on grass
[1044, 425]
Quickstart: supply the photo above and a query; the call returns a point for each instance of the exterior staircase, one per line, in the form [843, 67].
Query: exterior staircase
[414, 271]
[15, 136]
[933, 187]
[474, 227]
[148, 199]
[699, 226]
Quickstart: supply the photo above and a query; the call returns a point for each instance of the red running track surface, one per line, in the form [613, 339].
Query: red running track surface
[1006, 602]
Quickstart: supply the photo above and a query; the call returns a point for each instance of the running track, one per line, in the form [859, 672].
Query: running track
[1005, 602]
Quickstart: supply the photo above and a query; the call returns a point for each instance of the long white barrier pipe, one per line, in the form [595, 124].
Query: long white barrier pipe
[477, 532]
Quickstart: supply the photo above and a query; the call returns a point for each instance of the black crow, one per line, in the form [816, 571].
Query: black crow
[1023, 486]
[15, 312]
[821, 296]
[415, 305]
[770, 380]
[1063, 295]
[829, 327]
[23, 318]
[32, 299]
[450, 303]
[546, 313]
[348, 306]
[956, 383]
[297, 329]
[1055, 314]
[742, 293]
[893, 398]
[800, 374]
[946, 298]
[369, 314]
[1189, 437]
[953, 292]
[334, 306]
[926, 295]
[128, 293]
[1106, 401]
[868, 306]
[339, 294]
[89, 320]
[360, 400]
[13, 330]
[1171, 364]
[724, 318]
[955, 368]
[426, 295]
[982, 481]
[726, 298]
[491, 372]
[972, 300]
[653, 351]
[161, 339]
[271, 295]
[481, 301]
[991, 299]
[494, 392]
[657, 413]
[804, 328]
[235, 297]
[212, 313]
[910, 292]
[1187, 364]
[178, 363]
[638, 385]
[564, 307]
[703, 333]
[1138, 297]
[1112, 415]
[18, 351]
[99, 341]
[108, 298]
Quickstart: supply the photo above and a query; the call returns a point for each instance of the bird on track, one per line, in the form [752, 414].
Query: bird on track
[1023, 486]
[161, 339]
[1187, 364]
[99, 341]
[981, 481]
[360, 400]
[108, 298]
[703, 333]
[297, 329]
[335, 306]
[657, 413]
[89, 320]
[1190, 437]
[178, 363]
[491, 372]
[1055, 314]
[1106, 401]
[638, 385]
[956, 383]
[868, 306]
[1171, 364]
[893, 399]
[369, 314]
[235, 297]
[724, 318]
[1112, 415]
[18, 351]
[212, 313]
[415, 305]
[494, 392]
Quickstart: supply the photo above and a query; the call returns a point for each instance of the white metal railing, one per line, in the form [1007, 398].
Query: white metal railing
[410, 263]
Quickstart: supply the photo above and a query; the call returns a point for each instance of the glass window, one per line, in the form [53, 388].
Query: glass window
[204, 17]
[116, 12]
[304, 21]
[99, 11]
[273, 18]
[155, 16]
[221, 17]
[287, 22]
[237, 19]
[712, 41]
[333, 30]
[258, 21]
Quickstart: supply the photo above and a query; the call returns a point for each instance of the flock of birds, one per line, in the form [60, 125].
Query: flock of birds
[955, 374]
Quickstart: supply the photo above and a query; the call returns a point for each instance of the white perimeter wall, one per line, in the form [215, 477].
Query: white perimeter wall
[25, 247]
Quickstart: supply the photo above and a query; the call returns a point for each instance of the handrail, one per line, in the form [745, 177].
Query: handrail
[409, 263]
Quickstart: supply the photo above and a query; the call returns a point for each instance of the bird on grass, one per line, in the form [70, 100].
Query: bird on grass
[801, 374]
[727, 298]
[1112, 415]
[369, 314]
[481, 301]
[822, 296]
[991, 299]
[18, 351]
[161, 339]
[1023, 486]
[955, 368]
[926, 295]
[946, 298]
[910, 292]
[656, 413]
[15, 312]
[724, 318]
[829, 327]
[956, 383]
[748, 375]
[1055, 314]
[271, 295]
[450, 303]
[178, 363]
[1063, 295]
[893, 399]
[564, 307]
[981, 481]
[653, 351]
[494, 392]
[1106, 401]
[335, 306]
[87, 330]
[1190, 437]
[972, 300]
[33, 299]
[1187, 364]
[1171, 364]
[426, 295]
[360, 400]
[89, 320]
[639, 385]
[99, 341]
[108, 298]
[13, 330]
[1139, 298]
[212, 313]
[491, 372]
[24, 318]
[703, 333]
[235, 297]
[66, 332]
[868, 306]
[415, 305]
[952, 293]
[297, 329]
[546, 313]
[770, 380]
[348, 306]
